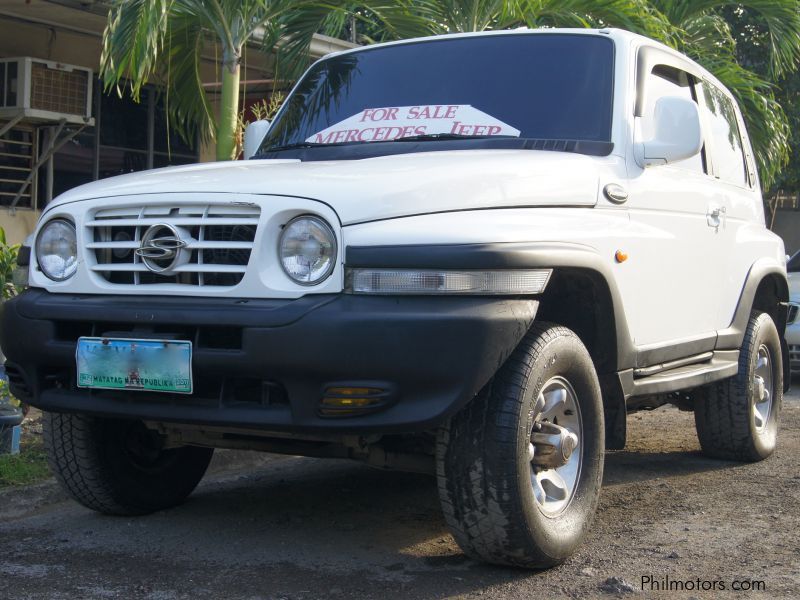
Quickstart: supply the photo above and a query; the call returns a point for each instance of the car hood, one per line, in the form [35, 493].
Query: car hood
[382, 187]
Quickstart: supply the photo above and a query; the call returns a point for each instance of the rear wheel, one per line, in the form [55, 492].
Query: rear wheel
[737, 419]
[119, 467]
[520, 467]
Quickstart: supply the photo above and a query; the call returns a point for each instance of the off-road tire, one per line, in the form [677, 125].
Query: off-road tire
[93, 460]
[484, 470]
[723, 411]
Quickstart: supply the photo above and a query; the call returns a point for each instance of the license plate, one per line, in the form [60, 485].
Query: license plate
[128, 364]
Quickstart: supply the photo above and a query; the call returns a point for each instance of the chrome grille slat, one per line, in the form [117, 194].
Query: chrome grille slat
[180, 221]
[129, 268]
[220, 240]
[191, 245]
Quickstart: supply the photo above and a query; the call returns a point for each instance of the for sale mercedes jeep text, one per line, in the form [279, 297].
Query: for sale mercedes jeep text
[474, 268]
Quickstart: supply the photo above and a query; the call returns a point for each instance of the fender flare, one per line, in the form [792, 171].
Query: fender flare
[503, 255]
[733, 336]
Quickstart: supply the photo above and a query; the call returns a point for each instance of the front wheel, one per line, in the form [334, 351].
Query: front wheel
[119, 467]
[520, 468]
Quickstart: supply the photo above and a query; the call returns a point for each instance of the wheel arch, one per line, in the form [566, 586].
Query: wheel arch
[574, 266]
[766, 289]
[569, 293]
[603, 331]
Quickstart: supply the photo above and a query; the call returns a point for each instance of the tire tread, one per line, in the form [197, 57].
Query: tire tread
[722, 409]
[478, 513]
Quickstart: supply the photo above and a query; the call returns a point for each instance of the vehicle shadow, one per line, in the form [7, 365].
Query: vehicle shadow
[628, 466]
[305, 526]
[299, 527]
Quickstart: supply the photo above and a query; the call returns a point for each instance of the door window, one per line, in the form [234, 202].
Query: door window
[662, 82]
[729, 162]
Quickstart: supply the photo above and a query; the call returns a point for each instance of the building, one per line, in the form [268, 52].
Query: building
[76, 132]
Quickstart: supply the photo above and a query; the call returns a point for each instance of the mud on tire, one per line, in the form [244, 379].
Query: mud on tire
[486, 477]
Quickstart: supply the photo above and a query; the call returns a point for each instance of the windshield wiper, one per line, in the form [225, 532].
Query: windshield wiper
[425, 137]
[590, 147]
[298, 146]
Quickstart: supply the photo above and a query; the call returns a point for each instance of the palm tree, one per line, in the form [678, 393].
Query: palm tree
[161, 41]
[701, 31]
[458, 16]
[449, 16]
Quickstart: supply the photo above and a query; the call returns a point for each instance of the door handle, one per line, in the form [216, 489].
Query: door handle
[716, 216]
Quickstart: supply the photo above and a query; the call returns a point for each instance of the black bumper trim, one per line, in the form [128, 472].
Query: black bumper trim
[436, 352]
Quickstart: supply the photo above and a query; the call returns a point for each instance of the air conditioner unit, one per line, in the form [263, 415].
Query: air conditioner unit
[45, 91]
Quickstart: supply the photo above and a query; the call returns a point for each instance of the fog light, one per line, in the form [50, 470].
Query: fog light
[349, 401]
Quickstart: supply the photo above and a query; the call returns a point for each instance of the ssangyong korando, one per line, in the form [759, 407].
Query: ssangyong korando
[470, 255]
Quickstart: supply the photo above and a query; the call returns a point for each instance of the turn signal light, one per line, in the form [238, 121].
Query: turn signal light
[426, 281]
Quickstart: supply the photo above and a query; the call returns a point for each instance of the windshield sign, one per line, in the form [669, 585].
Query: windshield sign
[391, 123]
[529, 86]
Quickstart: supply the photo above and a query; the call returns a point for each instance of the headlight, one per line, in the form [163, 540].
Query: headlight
[423, 282]
[307, 250]
[57, 250]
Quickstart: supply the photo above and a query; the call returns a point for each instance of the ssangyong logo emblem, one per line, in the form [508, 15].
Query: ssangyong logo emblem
[162, 248]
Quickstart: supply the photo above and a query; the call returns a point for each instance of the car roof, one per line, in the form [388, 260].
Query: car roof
[619, 36]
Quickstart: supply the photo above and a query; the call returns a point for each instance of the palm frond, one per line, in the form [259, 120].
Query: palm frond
[132, 42]
[781, 19]
[187, 104]
[634, 15]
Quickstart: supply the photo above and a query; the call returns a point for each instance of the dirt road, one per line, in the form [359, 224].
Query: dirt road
[294, 528]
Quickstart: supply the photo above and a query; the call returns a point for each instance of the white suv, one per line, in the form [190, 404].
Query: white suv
[470, 255]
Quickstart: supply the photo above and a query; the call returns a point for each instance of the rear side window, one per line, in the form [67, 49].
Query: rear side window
[727, 151]
[662, 82]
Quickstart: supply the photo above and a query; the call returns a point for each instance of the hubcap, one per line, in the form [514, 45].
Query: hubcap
[555, 446]
[762, 388]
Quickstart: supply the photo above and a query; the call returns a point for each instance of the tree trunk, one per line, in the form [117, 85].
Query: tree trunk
[228, 109]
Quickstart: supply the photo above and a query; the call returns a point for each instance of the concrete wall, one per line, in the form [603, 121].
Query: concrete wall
[18, 225]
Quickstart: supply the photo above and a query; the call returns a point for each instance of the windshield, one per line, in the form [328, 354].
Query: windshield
[536, 86]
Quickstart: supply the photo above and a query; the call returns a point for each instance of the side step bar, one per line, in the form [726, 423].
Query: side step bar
[681, 374]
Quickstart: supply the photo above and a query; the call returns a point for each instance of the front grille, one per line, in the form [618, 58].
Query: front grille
[792, 315]
[219, 242]
[794, 353]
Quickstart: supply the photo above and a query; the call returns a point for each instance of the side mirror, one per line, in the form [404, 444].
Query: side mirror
[253, 136]
[677, 132]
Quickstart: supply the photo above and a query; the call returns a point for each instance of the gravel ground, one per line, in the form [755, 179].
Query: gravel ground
[297, 528]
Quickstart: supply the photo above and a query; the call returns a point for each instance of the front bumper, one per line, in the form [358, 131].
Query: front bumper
[793, 341]
[265, 363]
